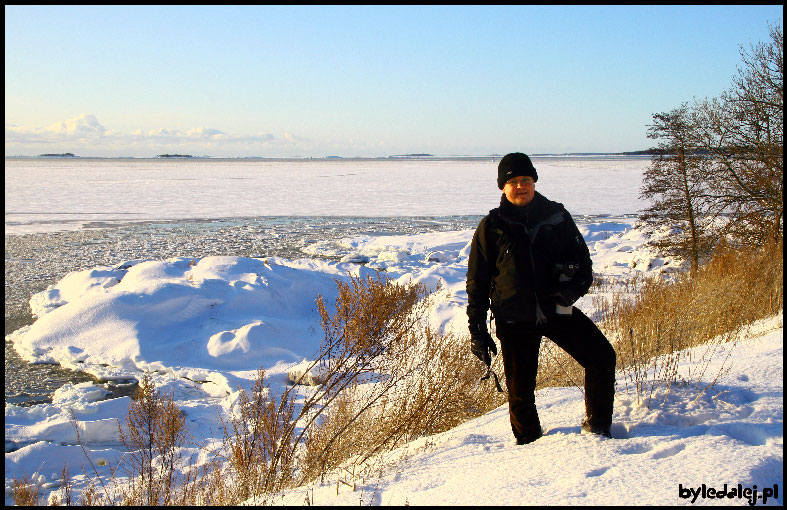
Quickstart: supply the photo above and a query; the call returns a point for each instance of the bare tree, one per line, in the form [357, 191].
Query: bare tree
[744, 132]
[677, 183]
[723, 157]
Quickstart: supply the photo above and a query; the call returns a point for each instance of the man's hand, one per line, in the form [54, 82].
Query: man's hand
[481, 343]
[565, 295]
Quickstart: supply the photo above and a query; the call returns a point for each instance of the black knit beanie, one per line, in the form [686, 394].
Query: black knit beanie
[514, 165]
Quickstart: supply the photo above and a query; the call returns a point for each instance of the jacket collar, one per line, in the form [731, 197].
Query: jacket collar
[515, 214]
[537, 210]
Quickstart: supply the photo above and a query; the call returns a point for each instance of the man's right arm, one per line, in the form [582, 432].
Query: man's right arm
[479, 277]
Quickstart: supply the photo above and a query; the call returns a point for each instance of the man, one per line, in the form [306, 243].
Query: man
[530, 263]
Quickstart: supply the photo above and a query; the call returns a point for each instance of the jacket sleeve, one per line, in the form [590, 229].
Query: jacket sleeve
[479, 276]
[579, 252]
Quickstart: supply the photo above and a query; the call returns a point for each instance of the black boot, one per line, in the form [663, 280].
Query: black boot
[532, 436]
[595, 429]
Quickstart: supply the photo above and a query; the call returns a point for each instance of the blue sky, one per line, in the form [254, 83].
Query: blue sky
[360, 80]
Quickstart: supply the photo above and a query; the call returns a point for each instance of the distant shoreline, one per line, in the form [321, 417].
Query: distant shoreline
[492, 157]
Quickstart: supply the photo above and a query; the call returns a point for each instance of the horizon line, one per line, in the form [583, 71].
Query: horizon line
[331, 157]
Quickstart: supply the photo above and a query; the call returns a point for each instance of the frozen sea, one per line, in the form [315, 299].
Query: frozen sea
[68, 214]
[71, 193]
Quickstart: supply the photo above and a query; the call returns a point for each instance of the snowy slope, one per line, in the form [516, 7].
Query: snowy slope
[205, 325]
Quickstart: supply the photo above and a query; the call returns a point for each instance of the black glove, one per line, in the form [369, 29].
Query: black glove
[481, 343]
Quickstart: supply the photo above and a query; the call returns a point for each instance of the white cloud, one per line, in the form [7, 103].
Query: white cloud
[205, 133]
[83, 126]
[78, 128]
[293, 138]
[86, 133]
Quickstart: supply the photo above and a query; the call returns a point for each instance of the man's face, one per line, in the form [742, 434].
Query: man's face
[520, 190]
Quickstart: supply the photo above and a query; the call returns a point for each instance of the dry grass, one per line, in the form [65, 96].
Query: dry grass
[711, 307]
[26, 493]
[155, 431]
[261, 442]
[424, 381]
[652, 320]
[389, 378]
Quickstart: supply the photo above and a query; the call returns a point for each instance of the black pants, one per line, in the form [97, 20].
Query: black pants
[580, 338]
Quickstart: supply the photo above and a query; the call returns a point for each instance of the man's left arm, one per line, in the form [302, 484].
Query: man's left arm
[577, 253]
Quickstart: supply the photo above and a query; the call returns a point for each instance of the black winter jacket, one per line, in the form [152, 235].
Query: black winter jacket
[514, 262]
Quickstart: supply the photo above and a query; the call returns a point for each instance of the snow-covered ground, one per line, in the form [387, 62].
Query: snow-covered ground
[203, 327]
[733, 434]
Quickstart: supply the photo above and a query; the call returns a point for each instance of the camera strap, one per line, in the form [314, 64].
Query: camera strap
[497, 382]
